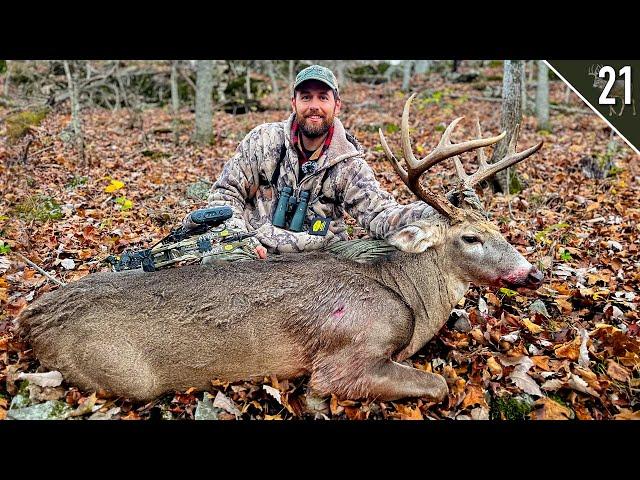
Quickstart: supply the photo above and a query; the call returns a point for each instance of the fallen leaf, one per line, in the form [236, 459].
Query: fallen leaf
[224, 402]
[626, 414]
[68, 264]
[274, 392]
[474, 395]
[553, 384]
[85, 406]
[618, 372]
[578, 384]
[409, 413]
[570, 350]
[494, 367]
[532, 327]
[548, 409]
[47, 379]
[524, 382]
[113, 186]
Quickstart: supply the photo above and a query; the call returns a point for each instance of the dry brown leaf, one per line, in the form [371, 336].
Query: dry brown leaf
[570, 350]
[409, 413]
[582, 412]
[541, 361]
[626, 414]
[494, 367]
[548, 409]
[474, 396]
[618, 372]
[532, 327]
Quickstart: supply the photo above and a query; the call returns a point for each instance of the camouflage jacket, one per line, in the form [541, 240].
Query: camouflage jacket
[342, 182]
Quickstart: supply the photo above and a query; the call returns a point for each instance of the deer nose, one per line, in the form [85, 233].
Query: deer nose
[535, 277]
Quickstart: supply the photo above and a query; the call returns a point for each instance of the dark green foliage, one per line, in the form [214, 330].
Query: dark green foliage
[39, 208]
[509, 408]
[18, 124]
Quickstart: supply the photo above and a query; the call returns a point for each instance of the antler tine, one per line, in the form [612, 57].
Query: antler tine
[415, 169]
[394, 161]
[510, 159]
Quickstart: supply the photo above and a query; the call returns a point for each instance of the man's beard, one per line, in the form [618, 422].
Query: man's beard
[310, 130]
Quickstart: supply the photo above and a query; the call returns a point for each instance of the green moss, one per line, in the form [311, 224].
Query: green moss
[515, 185]
[76, 181]
[155, 154]
[495, 63]
[18, 124]
[3, 66]
[40, 208]
[509, 408]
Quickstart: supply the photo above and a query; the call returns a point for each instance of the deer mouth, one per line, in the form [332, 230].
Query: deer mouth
[531, 278]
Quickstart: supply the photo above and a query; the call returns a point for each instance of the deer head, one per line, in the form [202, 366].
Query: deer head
[594, 70]
[472, 246]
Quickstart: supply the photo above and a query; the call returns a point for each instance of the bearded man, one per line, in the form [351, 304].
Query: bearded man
[276, 163]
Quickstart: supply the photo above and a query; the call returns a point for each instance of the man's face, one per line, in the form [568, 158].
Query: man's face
[315, 107]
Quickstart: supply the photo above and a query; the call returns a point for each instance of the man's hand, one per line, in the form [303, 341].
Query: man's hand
[284, 241]
[258, 248]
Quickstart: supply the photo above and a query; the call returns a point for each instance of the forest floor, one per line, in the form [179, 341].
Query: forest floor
[568, 350]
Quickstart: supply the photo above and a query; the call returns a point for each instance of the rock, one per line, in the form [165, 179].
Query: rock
[51, 410]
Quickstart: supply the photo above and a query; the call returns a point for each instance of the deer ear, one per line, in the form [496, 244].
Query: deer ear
[415, 238]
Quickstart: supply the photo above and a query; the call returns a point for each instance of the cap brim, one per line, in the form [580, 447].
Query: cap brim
[319, 79]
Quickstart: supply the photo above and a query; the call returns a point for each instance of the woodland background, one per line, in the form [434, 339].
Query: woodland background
[101, 156]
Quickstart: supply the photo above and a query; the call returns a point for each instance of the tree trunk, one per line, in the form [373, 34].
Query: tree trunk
[291, 72]
[422, 66]
[542, 97]
[510, 118]
[247, 82]
[340, 76]
[76, 122]
[406, 74]
[525, 107]
[175, 100]
[204, 108]
[7, 78]
[274, 82]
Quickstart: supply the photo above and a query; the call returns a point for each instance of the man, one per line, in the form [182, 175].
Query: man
[310, 152]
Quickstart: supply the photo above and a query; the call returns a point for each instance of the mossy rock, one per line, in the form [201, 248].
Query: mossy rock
[510, 408]
[241, 106]
[368, 70]
[18, 123]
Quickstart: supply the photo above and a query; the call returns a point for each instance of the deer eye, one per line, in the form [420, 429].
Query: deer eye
[471, 239]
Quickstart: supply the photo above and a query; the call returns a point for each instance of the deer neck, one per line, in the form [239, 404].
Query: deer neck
[427, 285]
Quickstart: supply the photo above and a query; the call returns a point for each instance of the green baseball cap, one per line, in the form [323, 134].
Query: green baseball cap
[316, 72]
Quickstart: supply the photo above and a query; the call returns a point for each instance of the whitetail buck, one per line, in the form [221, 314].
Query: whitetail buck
[616, 91]
[346, 323]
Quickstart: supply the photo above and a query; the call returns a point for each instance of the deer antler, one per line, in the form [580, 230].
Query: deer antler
[594, 70]
[444, 150]
[416, 168]
[486, 170]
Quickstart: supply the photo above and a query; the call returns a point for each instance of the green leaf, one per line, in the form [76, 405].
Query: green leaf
[125, 202]
[4, 248]
[508, 292]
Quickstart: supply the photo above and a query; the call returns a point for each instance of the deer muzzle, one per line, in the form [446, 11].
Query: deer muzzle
[529, 278]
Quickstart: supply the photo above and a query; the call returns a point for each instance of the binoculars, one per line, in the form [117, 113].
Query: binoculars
[291, 213]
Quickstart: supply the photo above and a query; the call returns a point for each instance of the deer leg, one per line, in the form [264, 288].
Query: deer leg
[621, 109]
[390, 380]
[382, 379]
[633, 106]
